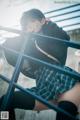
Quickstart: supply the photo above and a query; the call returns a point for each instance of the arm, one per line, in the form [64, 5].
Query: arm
[15, 44]
[54, 47]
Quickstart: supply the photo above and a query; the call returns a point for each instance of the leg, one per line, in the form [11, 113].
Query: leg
[19, 100]
[72, 95]
[40, 106]
[69, 101]
[23, 101]
[11, 111]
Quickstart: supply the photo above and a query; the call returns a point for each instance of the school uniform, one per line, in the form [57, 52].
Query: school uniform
[50, 83]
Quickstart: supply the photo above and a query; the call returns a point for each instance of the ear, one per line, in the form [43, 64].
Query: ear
[43, 21]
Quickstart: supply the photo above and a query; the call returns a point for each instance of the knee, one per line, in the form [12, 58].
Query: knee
[1, 100]
[68, 107]
[72, 95]
[39, 106]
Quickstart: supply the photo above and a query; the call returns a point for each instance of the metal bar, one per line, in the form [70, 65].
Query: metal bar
[11, 30]
[75, 75]
[5, 78]
[62, 8]
[42, 100]
[54, 107]
[66, 19]
[64, 13]
[69, 28]
[68, 43]
[15, 76]
[71, 25]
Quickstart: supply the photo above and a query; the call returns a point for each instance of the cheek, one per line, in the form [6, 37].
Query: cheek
[29, 28]
[37, 28]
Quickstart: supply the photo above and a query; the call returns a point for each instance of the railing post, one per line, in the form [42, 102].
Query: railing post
[10, 91]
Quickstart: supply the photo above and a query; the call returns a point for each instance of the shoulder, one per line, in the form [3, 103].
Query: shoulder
[49, 25]
[12, 41]
[54, 30]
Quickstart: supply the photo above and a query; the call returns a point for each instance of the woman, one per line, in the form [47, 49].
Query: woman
[56, 87]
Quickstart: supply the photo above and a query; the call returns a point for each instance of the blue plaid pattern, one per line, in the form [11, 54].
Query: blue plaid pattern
[51, 83]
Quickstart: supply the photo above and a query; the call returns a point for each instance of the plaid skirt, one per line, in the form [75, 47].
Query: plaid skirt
[50, 83]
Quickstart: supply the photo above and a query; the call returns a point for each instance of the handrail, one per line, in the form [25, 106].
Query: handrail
[68, 43]
[75, 75]
[21, 56]
[62, 8]
[67, 14]
[45, 102]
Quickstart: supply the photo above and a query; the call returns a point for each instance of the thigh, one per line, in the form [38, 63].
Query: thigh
[40, 106]
[72, 95]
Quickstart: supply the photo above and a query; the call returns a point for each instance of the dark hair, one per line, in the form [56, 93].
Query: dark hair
[30, 15]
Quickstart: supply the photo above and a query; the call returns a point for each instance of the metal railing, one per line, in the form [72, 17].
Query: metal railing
[21, 56]
[66, 17]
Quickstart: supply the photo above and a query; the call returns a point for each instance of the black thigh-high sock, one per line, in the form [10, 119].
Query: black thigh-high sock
[11, 111]
[68, 107]
[19, 100]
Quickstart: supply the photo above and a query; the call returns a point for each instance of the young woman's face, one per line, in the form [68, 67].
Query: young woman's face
[34, 26]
